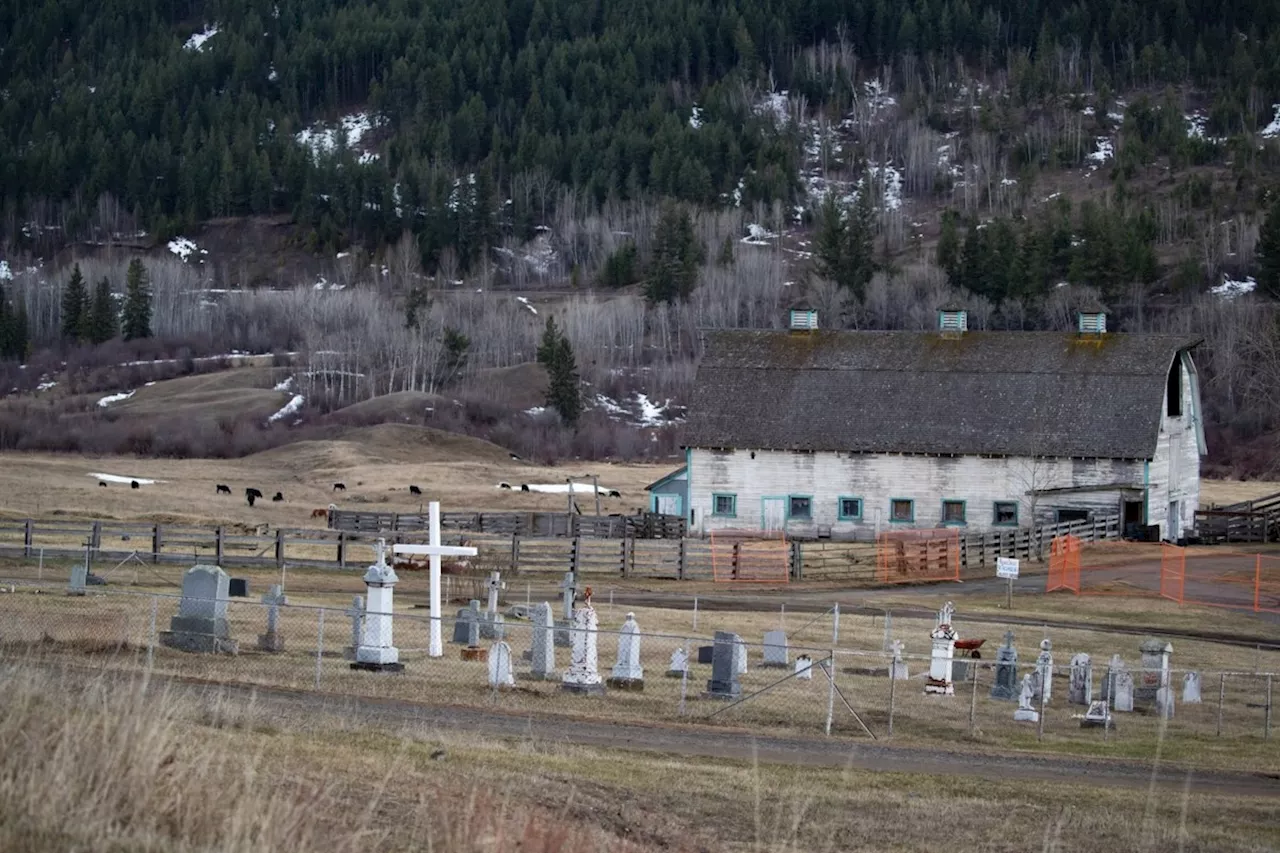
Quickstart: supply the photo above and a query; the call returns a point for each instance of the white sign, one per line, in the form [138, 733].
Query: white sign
[1006, 567]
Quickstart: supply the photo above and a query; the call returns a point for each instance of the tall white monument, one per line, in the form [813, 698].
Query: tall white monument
[944, 647]
[434, 550]
[377, 651]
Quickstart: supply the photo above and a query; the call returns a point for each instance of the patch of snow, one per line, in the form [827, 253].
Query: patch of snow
[272, 75]
[6, 274]
[535, 411]
[116, 478]
[1272, 130]
[1104, 151]
[46, 385]
[737, 192]
[321, 139]
[695, 117]
[324, 284]
[563, 488]
[651, 414]
[525, 303]
[184, 248]
[197, 40]
[758, 235]
[1230, 289]
[147, 384]
[93, 90]
[1008, 182]
[892, 180]
[115, 398]
[285, 385]
[1087, 111]
[609, 405]
[774, 107]
[877, 97]
[290, 408]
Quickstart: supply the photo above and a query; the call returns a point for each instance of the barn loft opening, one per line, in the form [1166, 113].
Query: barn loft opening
[1173, 391]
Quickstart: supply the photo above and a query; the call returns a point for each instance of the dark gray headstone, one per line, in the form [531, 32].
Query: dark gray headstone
[724, 666]
[775, 650]
[201, 623]
[466, 630]
[706, 654]
[238, 588]
[1006, 685]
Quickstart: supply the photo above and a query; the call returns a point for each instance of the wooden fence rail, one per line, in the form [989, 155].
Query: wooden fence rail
[569, 525]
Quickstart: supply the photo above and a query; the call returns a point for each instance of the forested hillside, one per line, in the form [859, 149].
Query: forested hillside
[660, 167]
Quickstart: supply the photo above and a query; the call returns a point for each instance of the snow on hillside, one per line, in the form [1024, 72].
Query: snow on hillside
[197, 40]
[290, 408]
[116, 478]
[322, 139]
[695, 117]
[115, 398]
[184, 248]
[1230, 289]
[6, 274]
[1272, 130]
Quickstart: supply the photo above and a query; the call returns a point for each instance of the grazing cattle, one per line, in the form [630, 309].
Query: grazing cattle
[133, 484]
[277, 497]
[319, 513]
[414, 490]
[504, 485]
[339, 487]
[253, 491]
[100, 483]
[614, 493]
[224, 490]
[524, 487]
[250, 497]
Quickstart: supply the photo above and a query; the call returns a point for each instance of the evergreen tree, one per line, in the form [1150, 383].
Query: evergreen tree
[75, 302]
[949, 245]
[677, 254]
[1269, 252]
[620, 267]
[456, 345]
[102, 324]
[845, 243]
[13, 329]
[416, 301]
[137, 302]
[556, 355]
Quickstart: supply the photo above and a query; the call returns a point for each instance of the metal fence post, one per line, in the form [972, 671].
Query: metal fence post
[1266, 726]
[1222, 695]
[1044, 688]
[684, 677]
[973, 699]
[893, 682]
[831, 689]
[151, 633]
[835, 625]
[319, 646]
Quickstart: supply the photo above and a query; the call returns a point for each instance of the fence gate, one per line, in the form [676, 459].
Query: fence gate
[1064, 564]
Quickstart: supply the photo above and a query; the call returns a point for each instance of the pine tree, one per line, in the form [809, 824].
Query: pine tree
[949, 246]
[845, 243]
[556, 355]
[1269, 252]
[137, 302]
[75, 302]
[102, 324]
[677, 254]
[13, 329]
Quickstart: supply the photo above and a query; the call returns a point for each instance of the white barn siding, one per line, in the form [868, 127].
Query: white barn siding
[879, 478]
[1175, 469]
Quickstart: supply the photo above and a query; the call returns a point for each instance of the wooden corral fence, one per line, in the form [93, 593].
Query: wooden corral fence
[672, 558]
[570, 525]
[1257, 520]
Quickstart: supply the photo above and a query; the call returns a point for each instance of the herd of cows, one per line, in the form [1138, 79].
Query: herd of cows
[251, 494]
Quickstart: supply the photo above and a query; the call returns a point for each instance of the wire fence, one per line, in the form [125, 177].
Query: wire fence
[793, 688]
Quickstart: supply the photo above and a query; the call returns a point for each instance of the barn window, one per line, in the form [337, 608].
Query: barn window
[953, 512]
[902, 510]
[800, 507]
[851, 509]
[1173, 393]
[724, 506]
[1006, 512]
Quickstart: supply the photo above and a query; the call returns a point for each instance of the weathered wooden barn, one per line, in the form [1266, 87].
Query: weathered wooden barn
[847, 433]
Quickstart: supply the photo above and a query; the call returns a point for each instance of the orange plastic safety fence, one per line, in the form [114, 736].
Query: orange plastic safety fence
[1173, 571]
[1266, 584]
[904, 556]
[1064, 564]
[749, 557]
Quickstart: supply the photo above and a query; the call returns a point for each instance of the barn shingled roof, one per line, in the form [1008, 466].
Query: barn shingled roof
[999, 393]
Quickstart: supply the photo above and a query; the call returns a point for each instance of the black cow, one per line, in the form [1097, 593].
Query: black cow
[524, 487]
[339, 487]
[224, 490]
[614, 493]
[277, 497]
[100, 483]
[249, 496]
[133, 484]
[414, 490]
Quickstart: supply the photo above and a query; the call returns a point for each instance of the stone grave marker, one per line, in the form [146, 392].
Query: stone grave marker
[1122, 699]
[500, 673]
[544, 647]
[739, 657]
[1098, 716]
[568, 590]
[466, 629]
[804, 667]
[898, 667]
[273, 640]
[583, 675]
[1080, 688]
[679, 665]
[724, 667]
[943, 637]
[1006, 683]
[776, 653]
[201, 623]
[356, 613]
[1044, 671]
[491, 621]
[377, 651]
[79, 578]
[1155, 670]
[1116, 665]
[627, 673]
[1191, 688]
[706, 654]
[238, 588]
[1026, 712]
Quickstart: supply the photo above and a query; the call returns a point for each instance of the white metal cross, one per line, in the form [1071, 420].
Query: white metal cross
[434, 550]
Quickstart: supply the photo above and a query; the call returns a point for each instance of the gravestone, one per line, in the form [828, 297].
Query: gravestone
[568, 590]
[1191, 688]
[1122, 699]
[1098, 716]
[1006, 683]
[1164, 702]
[740, 657]
[519, 611]
[724, 667]
[898, 667]
[238, 588]
[776, 653]
[804, 667]
[1026, 712]
[583, 675]
[356, 613]
[491, 620]
[1080, 688]
[273, 640]
[706, 654]
[679, 666]
[466, 629]
[500, 674]
[627, 673]
[377, 651]
[1116, 665]
[1155, 671]
[544, 648]
[79, 578]
[1044, 671]
[201, 623]
[944, 646]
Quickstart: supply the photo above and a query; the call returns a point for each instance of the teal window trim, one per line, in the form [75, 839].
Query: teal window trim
[910, 502]
[688, 467]
[840, 514]
[964, 512]
[733, 501]
[808, 517]
[995, 514]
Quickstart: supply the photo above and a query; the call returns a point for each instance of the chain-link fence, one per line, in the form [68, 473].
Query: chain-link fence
[792, 688]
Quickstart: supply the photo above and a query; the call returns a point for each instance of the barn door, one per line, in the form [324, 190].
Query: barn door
[668, 504]
[773, 516]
